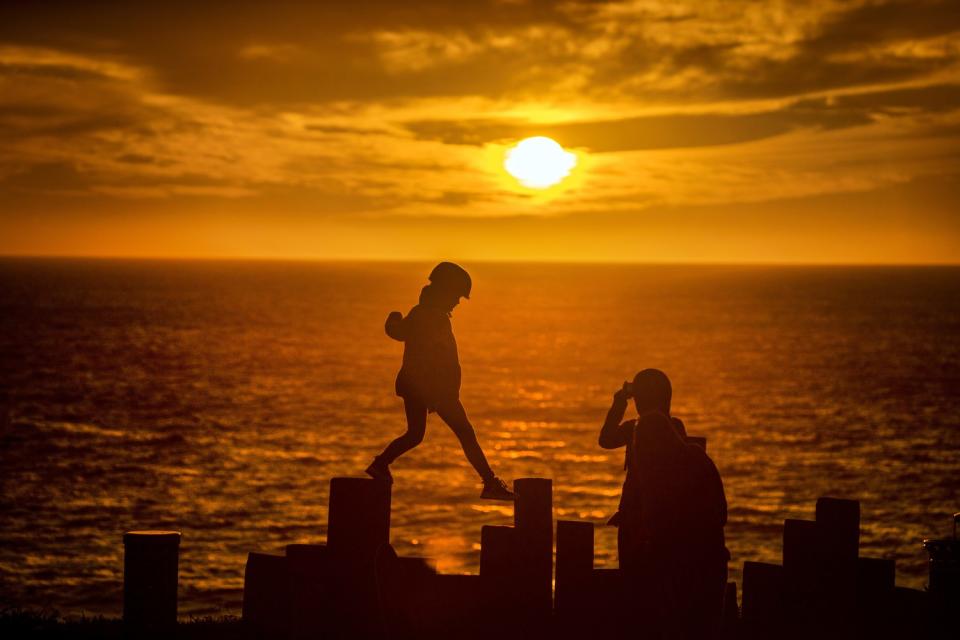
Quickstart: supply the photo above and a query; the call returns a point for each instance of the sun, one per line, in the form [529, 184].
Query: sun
[539, 162]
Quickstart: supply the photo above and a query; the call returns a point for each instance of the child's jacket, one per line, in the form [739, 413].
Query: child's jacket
[431, 365]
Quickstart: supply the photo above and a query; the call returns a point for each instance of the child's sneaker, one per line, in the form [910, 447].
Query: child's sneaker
[378, 470]
[496, 489]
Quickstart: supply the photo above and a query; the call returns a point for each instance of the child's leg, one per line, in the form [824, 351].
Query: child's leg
[416, 426]
[455, 416]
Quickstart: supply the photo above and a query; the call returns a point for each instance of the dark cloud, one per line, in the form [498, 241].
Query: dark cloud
[137, 158]
[58, 71]
[19, 120]
[71, 126]
[47, 176]
[932, 98]
[338, 129]
[649, 132]
[881, 23]
[326, 54]
[697, 130]
[864, 35]
[194, 48]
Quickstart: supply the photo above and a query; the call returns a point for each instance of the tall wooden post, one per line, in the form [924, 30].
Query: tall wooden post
[838, 524]
[533, 519]
[358, 527]
[801, 562]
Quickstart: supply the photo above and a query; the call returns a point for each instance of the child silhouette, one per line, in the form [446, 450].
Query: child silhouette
[429, 379]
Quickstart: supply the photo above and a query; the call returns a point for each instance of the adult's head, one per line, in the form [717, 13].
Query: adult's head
[652, 391]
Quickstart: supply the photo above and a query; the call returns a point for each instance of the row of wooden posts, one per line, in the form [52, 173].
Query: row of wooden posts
[355, 586]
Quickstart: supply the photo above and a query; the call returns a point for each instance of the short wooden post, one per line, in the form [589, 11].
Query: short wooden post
[839, 521]
[609, 592]
[456, 608]
[266, 592]
[801, 560]
[574, 564]
[762, 606]
[730, 618]
[503, 579]
[310, 584]
[359, 518]
[499, 556]
[876, 576]
[150, 575]
[875, 596]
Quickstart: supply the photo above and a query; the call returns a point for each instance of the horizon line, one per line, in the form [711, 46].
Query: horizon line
[545, 261]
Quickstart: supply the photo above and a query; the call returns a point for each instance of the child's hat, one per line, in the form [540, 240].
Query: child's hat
[452, 276]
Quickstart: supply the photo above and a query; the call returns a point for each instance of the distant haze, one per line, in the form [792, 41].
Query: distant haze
[736, 131]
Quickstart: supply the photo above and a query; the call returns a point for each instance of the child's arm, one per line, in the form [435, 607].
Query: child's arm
[395, 326]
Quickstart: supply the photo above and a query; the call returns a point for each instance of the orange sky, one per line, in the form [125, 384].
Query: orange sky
[720, 131]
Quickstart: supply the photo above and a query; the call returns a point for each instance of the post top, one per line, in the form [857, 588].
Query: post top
[151, 537]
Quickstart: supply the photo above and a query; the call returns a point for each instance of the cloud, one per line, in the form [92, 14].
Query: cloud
[136, 158]
[287, 53]
[648, 132]
[48, 176]
[384, 109]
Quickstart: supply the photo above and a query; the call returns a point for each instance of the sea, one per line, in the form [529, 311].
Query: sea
[218, 398]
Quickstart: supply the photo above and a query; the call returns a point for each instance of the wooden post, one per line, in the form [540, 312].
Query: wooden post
[499, 553]
[505, 581]
[605, 603]
[358, 527]
[457, 609]
[801, 560]
[533, 518]
[266, 592]
[838, 524]
[762, 607]
[574, 564]
[359, 518]
[150, 575]
[875, 596]
[839, 521]
[405, 588]
[309, 583]
[876, 576]
[730, 618]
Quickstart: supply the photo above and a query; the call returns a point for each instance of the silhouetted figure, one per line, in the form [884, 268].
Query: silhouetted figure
[651, 392]
[671, 517]
[429, 379]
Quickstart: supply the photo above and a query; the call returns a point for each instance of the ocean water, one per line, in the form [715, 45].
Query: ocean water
[219, 398]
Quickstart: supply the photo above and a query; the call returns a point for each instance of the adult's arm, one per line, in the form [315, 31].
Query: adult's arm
[612, 435]
[713, 485]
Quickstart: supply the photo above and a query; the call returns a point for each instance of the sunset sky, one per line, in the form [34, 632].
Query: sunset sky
[717, 131]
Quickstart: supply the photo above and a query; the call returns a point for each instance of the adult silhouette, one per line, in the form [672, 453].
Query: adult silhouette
[429, 379]
[671, 517]
[651, 392]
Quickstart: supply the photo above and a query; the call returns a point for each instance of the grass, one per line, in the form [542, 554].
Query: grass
[18, 623]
